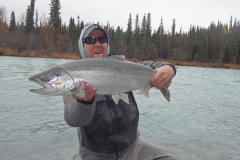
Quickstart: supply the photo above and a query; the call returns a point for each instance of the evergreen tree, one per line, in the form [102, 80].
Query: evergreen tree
[230, 24]
[129, 37]
[235, 24]
[173, 34]
[129, 31]
[29, 27]
[151, 51]
[55, 20]
[161, 33]
[143, 26]
[172, 40]
[78, 27]
[136, 35]
[64, 29]
[12, 26]
[231, 48]
[202, 45]
[148, 27]
[116, 48]
[72, 32]
[82, 25]
[37, 28]
[143, 37]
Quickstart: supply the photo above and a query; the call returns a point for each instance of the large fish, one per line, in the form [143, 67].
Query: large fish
[111, 75]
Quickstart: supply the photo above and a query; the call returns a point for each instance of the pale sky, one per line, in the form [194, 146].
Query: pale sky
[186, 12]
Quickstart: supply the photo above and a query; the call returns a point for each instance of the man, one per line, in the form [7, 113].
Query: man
[108, 131]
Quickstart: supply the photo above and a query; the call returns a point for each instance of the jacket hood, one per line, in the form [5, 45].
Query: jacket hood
[84, 33]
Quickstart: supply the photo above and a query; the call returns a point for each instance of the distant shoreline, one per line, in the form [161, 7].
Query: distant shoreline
[74, 56]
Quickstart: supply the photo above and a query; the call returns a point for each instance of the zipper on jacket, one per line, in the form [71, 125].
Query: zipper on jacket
[113, 117]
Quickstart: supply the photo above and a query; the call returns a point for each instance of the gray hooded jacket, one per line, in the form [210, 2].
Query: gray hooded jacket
[106, 131]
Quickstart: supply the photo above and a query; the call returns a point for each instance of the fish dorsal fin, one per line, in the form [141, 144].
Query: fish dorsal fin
[117, 57]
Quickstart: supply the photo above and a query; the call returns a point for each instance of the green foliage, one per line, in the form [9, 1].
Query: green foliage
[37, 28]
[72, 32]
[136, 33]
[129, 37]
[55, 20]
[129, 31]
[148, 27]
[29, 27]
[12, 26]
[218, 43]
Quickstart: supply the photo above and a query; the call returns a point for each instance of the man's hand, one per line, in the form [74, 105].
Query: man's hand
[163, 76]
[89, 93]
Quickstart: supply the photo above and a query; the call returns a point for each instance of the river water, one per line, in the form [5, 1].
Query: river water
[202, 121]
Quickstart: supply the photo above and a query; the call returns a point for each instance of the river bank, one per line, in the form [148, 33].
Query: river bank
[63, 55]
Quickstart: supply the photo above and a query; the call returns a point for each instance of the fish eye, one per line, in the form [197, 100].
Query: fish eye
[45, 79]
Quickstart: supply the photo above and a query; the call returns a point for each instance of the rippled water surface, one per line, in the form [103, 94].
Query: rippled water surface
[202, 121]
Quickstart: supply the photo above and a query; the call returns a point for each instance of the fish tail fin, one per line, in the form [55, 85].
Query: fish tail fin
[145, 90]
[117, 96]
[166, 93]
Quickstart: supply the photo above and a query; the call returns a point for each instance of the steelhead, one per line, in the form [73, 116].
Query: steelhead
[111, 76]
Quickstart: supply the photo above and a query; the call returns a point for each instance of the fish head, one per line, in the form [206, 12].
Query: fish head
[55, 81]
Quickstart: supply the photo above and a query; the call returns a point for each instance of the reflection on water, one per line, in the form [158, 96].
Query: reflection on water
[200, 122]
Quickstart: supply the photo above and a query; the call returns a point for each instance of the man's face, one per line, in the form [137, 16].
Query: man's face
[96, 50]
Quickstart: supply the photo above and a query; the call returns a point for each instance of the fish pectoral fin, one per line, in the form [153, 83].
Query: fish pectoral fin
[67, 98]
[145, 90]
[115, 97]
[122, 96]
[166, 93]
[79, 91]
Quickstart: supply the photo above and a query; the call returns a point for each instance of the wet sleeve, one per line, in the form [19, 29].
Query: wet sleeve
[155, 65]
[78, 114]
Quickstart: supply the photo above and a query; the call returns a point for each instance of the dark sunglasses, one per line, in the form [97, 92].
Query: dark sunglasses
[93, 40]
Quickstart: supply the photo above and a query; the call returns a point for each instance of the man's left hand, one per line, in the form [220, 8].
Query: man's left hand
[163, 76]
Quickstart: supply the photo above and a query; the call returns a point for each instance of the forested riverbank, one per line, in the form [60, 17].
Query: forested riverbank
[215, 46]
[76, 56]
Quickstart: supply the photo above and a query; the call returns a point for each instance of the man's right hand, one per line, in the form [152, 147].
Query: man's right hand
[89, 93]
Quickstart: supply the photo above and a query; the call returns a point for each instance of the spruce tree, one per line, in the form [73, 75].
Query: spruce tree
[231, 48]
[143, 37]
[161, 33]
[151, 51]
[37, 28]
[230, 24]
[129, 31]
[12, 26]
[173, 33]
[129, 37]
[136, 35]
[148, 27]
[29, 27]
[72, 32]
[172, 40]
[78, 27]
[55, 20]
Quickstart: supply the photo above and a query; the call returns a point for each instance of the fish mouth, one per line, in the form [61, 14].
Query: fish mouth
[46, 88]
[32, 79]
